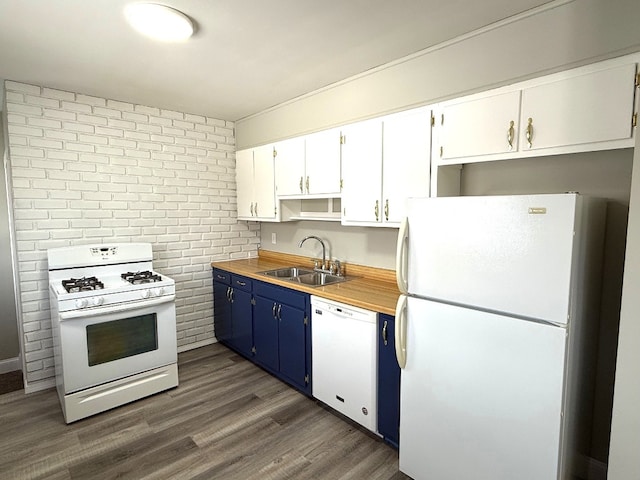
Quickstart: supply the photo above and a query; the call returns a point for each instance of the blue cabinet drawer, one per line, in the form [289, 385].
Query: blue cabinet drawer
[221, 276]
[281, 295]
[242, 283]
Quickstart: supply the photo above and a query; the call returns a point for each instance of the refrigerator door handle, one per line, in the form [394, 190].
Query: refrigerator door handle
[402, 260]
[401, 331]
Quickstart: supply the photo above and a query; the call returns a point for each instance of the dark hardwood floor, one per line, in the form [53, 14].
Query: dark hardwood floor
[228, 419]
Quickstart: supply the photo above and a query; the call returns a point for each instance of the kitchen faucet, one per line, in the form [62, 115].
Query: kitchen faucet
[324, 250]
[333, 268]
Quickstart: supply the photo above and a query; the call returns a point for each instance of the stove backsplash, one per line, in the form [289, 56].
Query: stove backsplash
[85, 169]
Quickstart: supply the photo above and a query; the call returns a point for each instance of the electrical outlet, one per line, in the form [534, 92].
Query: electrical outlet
[273, 238]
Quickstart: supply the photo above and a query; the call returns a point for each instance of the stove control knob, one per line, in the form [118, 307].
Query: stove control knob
[81, 303]
[97, 301]
[146, 293]
[158, 292]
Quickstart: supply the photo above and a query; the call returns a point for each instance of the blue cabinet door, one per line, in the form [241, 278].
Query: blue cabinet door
[241, 321]
[265, 332]
[293, 338]
[222, 306]
[388, 381]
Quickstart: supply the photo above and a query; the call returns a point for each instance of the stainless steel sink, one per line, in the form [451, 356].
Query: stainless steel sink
[288, 272]
[304, 276]
[318, 279]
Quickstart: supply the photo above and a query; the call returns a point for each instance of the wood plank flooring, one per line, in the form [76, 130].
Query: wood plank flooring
[228, 419]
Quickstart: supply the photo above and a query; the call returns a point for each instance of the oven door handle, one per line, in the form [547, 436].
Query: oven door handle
[121, 307]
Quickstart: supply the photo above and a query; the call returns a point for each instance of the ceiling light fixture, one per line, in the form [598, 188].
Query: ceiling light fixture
[159, 21]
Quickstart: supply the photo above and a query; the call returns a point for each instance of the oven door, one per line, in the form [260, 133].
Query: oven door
[102, 344]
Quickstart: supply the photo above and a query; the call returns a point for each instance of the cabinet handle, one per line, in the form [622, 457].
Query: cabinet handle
[307, 184]
[279, 310]
[377, 210]
[384, 332]
[255, 209]
[530, 132]
[242, 284]
[273, 310]
[220, 277]
[510, 134]
[229, 294]
[386, 209]
[252, 209]
[301, 190]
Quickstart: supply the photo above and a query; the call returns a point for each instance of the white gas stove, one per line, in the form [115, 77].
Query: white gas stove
[114, 326]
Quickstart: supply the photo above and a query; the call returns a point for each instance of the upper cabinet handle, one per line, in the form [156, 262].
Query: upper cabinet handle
[301, 190]
[530, 132]
[307, 184]
[510, 135]
[386, 210]
[376, 210]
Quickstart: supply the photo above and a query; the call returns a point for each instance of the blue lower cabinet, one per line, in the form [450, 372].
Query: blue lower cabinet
[265, 332]
[388, 381]
[233, 311]
[222, 305]
[282, 333]
[294, 336]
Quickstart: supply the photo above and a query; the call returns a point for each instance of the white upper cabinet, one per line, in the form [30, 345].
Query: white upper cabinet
[290, 166]
[362, 172]
[589, 108]
[384, 162]
[244, 183]
[255, 184]
[406, 150]
[322, 150]
[479, 126]
[585, 109]
[309, 166]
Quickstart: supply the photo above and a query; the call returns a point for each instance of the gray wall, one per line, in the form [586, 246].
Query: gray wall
[9, 346]
[571, 34]
[361, 245]
[624, 461]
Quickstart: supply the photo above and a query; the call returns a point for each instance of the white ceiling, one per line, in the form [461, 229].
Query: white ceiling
[246, 55]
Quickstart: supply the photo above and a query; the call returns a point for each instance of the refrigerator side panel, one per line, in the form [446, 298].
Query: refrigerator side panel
[586, 288]
[507, 254]
[481, 395]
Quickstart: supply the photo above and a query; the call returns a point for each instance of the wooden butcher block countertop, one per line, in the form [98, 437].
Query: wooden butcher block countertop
[371, 288]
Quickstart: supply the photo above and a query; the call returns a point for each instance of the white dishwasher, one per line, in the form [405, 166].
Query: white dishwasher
[344, 359]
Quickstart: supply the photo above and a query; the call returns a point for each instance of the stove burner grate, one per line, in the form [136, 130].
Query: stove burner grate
[137, 278]
[83, 284]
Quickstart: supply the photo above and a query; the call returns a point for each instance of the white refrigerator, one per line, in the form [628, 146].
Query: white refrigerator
[496, 334]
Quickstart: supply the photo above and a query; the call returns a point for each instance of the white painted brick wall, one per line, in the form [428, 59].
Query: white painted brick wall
[89, 170]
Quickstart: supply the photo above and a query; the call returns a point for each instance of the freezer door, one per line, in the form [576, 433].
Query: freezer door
[481, 395]
[509, 254]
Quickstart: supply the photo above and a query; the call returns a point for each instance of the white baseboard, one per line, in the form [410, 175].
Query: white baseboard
[10, 365]
[191, 346]
[41, 385]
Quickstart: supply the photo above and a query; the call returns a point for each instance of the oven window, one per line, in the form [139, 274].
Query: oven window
[123, 338]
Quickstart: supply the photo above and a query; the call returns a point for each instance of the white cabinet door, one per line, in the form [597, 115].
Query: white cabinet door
[589, 108]
[479, 126]
[406, 149]
[264, 195]
[322, 151]
[244, 183]
[289, 166]
[362, 172]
